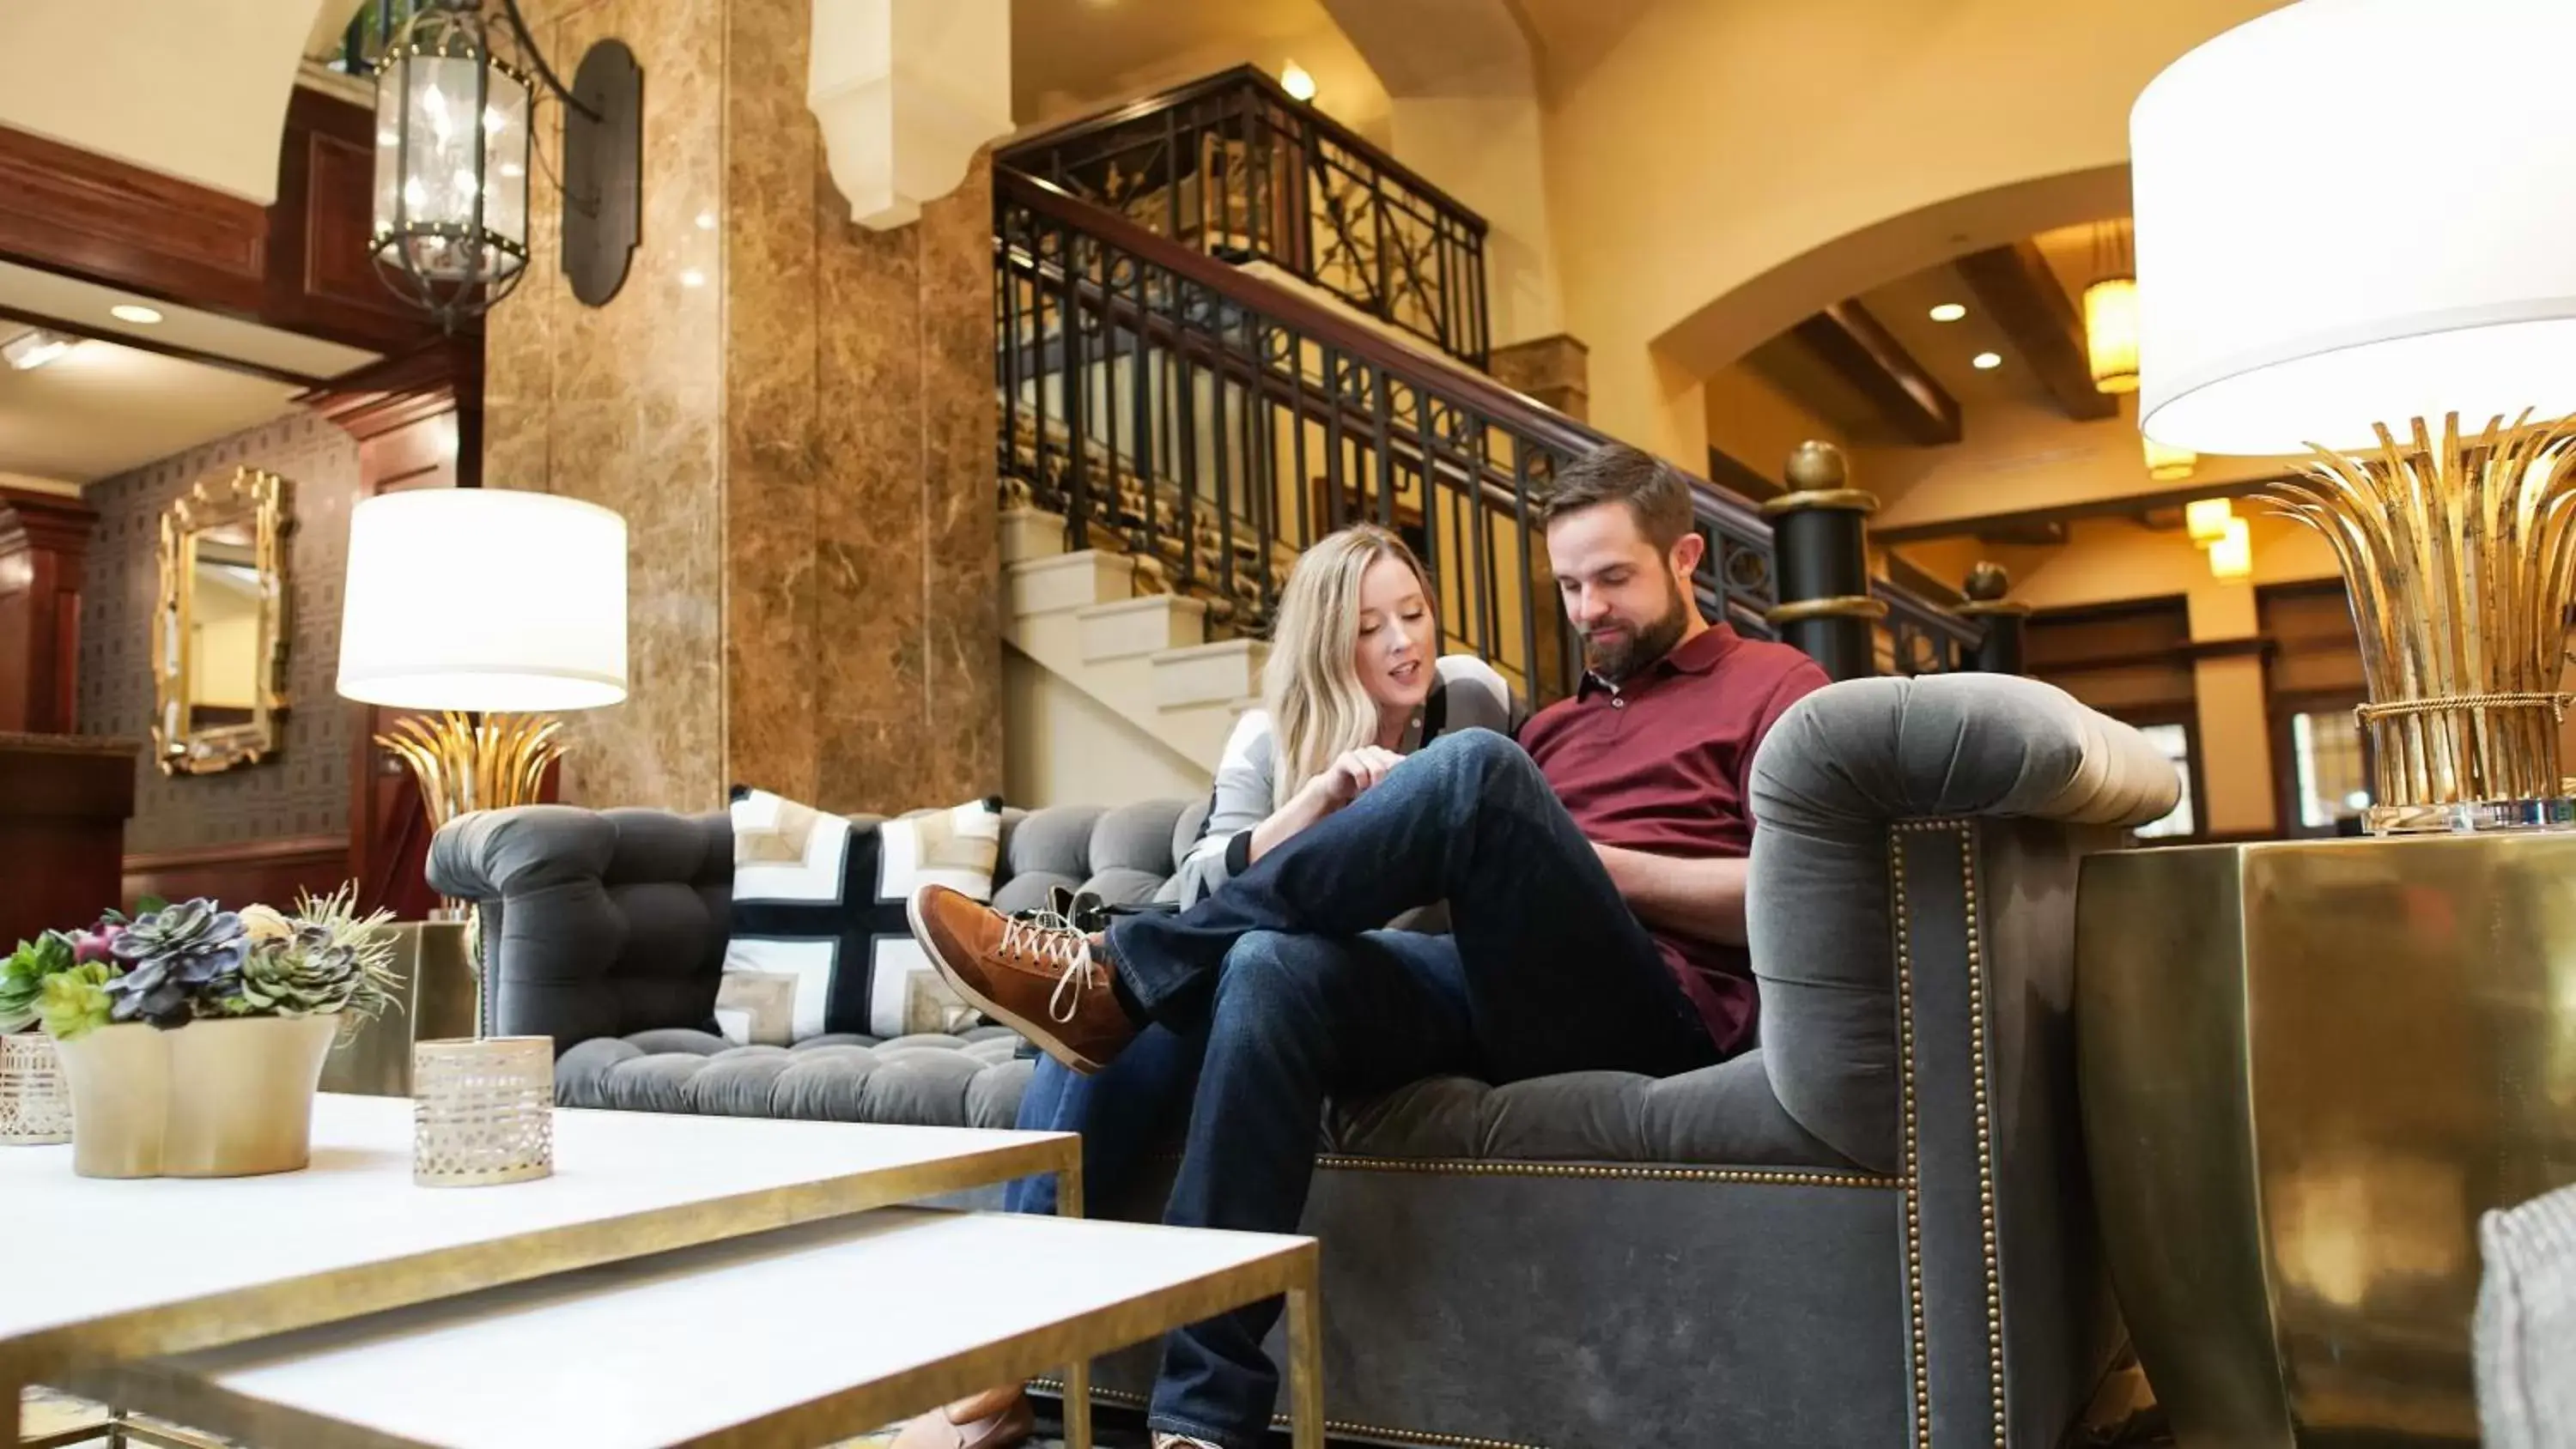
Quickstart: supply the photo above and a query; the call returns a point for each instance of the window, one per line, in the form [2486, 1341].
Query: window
[2320, 759]
[2330, 773]
[2175, 741]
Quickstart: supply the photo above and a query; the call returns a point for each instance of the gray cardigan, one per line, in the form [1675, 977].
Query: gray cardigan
[1467, 695]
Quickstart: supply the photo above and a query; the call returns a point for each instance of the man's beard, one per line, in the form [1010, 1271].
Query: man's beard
[1620, 657]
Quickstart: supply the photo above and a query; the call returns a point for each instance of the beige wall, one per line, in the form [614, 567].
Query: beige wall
[1486, 151]
[2113, 560]
[1756, 422]
[1726, 166]
[1062, 747]
[1345, 88]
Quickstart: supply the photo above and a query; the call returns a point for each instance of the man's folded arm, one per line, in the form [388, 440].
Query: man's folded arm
[1702, 899]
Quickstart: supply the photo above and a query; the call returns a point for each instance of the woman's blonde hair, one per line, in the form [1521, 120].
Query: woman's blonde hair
[1318, 708]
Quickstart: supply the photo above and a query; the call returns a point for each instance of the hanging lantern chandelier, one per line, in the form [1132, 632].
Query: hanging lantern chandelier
[2111, 312]
[454, 152]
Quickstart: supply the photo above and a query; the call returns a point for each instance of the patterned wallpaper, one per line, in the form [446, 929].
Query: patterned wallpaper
[303, 789]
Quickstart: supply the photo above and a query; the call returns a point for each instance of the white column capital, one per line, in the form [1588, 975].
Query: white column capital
[907, 91]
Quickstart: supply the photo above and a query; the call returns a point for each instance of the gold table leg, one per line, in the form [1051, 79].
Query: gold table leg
[1077, 1375]
[1306, 1357]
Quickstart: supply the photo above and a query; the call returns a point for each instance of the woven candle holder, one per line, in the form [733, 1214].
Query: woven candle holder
[35, 1103]
[483, 1112]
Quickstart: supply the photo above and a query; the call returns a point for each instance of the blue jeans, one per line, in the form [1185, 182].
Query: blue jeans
[1123, 1112]
[1299, 999]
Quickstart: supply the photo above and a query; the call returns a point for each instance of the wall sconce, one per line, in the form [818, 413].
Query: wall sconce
[453, 140]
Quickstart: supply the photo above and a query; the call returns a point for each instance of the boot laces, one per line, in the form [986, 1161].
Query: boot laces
[1046, 937]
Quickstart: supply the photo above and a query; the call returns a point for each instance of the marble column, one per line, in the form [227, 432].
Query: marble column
[796, 417]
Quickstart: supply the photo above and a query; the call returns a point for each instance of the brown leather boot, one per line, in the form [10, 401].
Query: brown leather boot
[995, 1419]
[1045, 980]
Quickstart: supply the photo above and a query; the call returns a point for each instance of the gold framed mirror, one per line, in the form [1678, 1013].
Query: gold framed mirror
[219, 629]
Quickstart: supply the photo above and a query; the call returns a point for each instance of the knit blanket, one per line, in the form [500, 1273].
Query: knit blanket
[2526, 1324]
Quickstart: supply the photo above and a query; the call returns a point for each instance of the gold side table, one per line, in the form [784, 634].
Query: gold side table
[2307, 1067]
[435, 1001]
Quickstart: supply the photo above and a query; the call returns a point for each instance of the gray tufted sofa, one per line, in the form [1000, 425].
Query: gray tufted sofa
[1871, 1231]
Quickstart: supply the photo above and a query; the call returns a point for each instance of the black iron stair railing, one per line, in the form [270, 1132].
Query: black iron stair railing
[1233, 166]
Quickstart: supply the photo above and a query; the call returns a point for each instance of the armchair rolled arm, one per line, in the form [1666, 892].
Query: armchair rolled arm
[595, 923]
[1835, 779]
[1847, 760]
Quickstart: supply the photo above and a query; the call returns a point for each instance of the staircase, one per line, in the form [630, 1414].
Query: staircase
[1176, 428]
[1147, 656]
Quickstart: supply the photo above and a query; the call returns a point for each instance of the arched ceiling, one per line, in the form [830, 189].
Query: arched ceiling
[195, 91]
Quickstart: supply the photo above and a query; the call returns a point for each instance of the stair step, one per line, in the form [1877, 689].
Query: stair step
[1217, 673]
[1031, 533]
[1151, 624]
[1070, 581]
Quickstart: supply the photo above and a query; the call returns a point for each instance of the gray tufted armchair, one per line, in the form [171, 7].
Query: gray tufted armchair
[1872, 1230]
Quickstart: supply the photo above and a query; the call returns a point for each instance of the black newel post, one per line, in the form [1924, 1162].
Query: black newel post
[1821, 560]
[2005, 621]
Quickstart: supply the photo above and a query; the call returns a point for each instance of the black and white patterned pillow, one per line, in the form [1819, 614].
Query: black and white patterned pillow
[819, 940]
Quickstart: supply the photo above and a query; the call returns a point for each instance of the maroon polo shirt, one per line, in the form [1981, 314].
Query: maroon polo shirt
[1664, 764]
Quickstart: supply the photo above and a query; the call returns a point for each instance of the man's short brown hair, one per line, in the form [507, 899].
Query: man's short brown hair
[1658, 497]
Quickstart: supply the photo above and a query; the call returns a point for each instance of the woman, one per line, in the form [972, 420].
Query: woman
[1354, 683]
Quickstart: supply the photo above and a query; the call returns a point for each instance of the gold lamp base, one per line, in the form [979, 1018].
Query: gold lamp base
[469, 762]
[2306, 1068]
[2459, 555]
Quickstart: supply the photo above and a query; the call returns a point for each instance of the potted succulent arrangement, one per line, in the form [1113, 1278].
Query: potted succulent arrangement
[192, 1037]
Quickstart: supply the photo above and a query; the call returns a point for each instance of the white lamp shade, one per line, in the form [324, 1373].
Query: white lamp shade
[484, 599]
[2355, 211]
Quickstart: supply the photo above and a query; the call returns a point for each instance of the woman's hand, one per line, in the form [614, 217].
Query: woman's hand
[1352, 776]
[1340, 783]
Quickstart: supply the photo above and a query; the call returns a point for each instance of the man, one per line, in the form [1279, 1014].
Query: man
[1596, 892]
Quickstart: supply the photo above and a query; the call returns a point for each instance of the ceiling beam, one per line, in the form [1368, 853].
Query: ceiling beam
[2129, 504]
[1864, 354]
[11, 318]
[2019, 291]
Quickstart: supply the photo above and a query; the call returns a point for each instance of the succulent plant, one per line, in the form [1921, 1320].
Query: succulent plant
[324, 958]
[75, 1002]
[177, 959]
[23, 975]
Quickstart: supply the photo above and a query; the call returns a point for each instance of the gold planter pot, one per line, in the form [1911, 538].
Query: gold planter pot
[2307, 1067]
[228, 1097]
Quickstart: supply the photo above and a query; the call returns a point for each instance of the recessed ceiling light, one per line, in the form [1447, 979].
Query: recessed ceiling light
[129, 312]
[31, 350]
[693, 278]
[1986, 361]
[1949, 312]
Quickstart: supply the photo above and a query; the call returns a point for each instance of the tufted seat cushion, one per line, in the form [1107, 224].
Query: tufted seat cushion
[926, 1081]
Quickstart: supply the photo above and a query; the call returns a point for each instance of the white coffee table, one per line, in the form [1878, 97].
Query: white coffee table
[785, 1341]
[137, 1269]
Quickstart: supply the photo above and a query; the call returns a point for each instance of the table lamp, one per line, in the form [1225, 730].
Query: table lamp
[491, 609]
[2354, 245]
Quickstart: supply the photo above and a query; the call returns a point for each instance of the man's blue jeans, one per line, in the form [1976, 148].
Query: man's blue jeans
[1297, 998]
